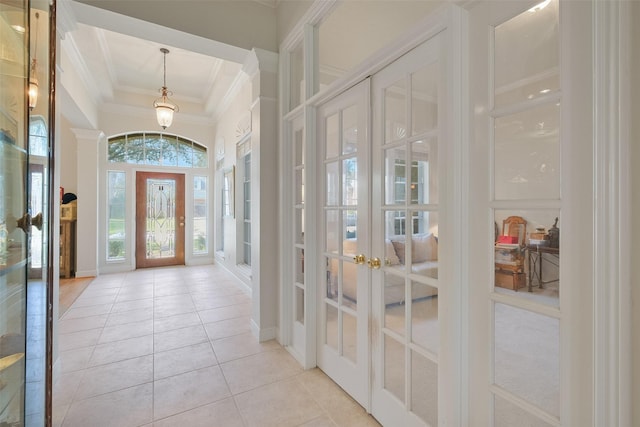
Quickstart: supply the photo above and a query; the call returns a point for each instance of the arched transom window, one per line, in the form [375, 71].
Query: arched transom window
[159, 149]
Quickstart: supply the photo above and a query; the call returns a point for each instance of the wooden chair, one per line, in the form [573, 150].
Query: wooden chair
[509, 258]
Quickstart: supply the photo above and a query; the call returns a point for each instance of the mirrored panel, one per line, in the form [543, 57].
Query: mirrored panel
[527, 55]
[298, 146]
[299, 188]
[527, 154]
[425, 330]
[349, 337]
[424, 243]
[424, 388]
[350, 227]
[527, 356]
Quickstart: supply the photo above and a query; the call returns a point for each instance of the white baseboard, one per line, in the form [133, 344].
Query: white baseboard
[87, 273]
[265, 334]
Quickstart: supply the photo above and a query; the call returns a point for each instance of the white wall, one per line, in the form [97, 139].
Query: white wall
[226, 138]
[288, 15]
[68, 157]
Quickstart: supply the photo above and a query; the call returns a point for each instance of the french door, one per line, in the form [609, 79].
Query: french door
[160, 219]
[379, 334]
[343, 291]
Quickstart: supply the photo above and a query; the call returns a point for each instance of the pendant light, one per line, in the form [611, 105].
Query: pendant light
[33, 74]
[163, 105]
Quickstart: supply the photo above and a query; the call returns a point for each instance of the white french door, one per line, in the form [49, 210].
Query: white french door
[379, 331]
[409, 290]
[343, 285]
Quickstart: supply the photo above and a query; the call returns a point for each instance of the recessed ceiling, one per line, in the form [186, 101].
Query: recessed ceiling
[124, 69]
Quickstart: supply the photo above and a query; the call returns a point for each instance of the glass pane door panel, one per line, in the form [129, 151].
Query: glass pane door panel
[300, 265]
[350, 182]
[349, 337]
[527, 255]
[527, 55]
[332, 230]
[299, 304]
[395, 176]
[332, 327]
[299, 230]
[296, 70]
[506, 414]
[425, 328]
[424, 99]
[424, 388]
[350, 227]
[423, 186]
[332, 136]
[299, 147]
[527, 154]
[395, 232]
[299, 199]
[333, 184]
[349, 284]
[395, 111]
[333, 274]
[350, 130]
[395, 308]
[394, 367]
[527, 356]
[161, 218]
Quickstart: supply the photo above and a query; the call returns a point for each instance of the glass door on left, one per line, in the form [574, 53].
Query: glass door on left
[24, 74]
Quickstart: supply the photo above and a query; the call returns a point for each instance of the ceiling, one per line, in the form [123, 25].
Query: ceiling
[122, 69]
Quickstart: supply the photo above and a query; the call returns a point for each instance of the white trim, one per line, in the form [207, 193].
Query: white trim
[87, 273]
[265, 334]
[612, 221]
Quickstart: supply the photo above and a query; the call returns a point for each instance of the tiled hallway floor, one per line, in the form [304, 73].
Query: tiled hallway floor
[173, 347]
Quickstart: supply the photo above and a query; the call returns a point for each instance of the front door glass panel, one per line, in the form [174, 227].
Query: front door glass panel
[161, 218]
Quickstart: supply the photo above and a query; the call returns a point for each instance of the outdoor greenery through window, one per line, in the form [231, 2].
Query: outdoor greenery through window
[199, 214]
[158, 149]
[116, 199]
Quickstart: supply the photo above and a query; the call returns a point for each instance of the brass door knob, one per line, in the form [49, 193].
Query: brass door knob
[25, 223]
[37, 221]
[360, 259]
[374, 263]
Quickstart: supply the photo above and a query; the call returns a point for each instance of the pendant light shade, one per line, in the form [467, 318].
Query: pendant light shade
[163, 105]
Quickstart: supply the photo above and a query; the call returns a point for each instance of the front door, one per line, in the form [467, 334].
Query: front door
[160, 219]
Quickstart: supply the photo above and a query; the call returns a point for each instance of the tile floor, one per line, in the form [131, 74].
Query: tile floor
[173, 347]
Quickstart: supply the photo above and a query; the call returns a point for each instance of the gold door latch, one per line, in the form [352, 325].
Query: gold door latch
[374, 263]
[360, 259]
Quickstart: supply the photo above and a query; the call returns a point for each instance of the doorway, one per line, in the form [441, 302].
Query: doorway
[160, 219]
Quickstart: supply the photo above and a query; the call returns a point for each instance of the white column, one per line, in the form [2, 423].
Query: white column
[88, 196]
[262, 67]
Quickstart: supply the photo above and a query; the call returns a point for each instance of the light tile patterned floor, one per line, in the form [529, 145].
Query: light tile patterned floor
[173, 347]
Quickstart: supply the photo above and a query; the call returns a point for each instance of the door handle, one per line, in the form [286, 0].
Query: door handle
[25, 223]
[360, 259]
[37, 221]
[374, 263]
